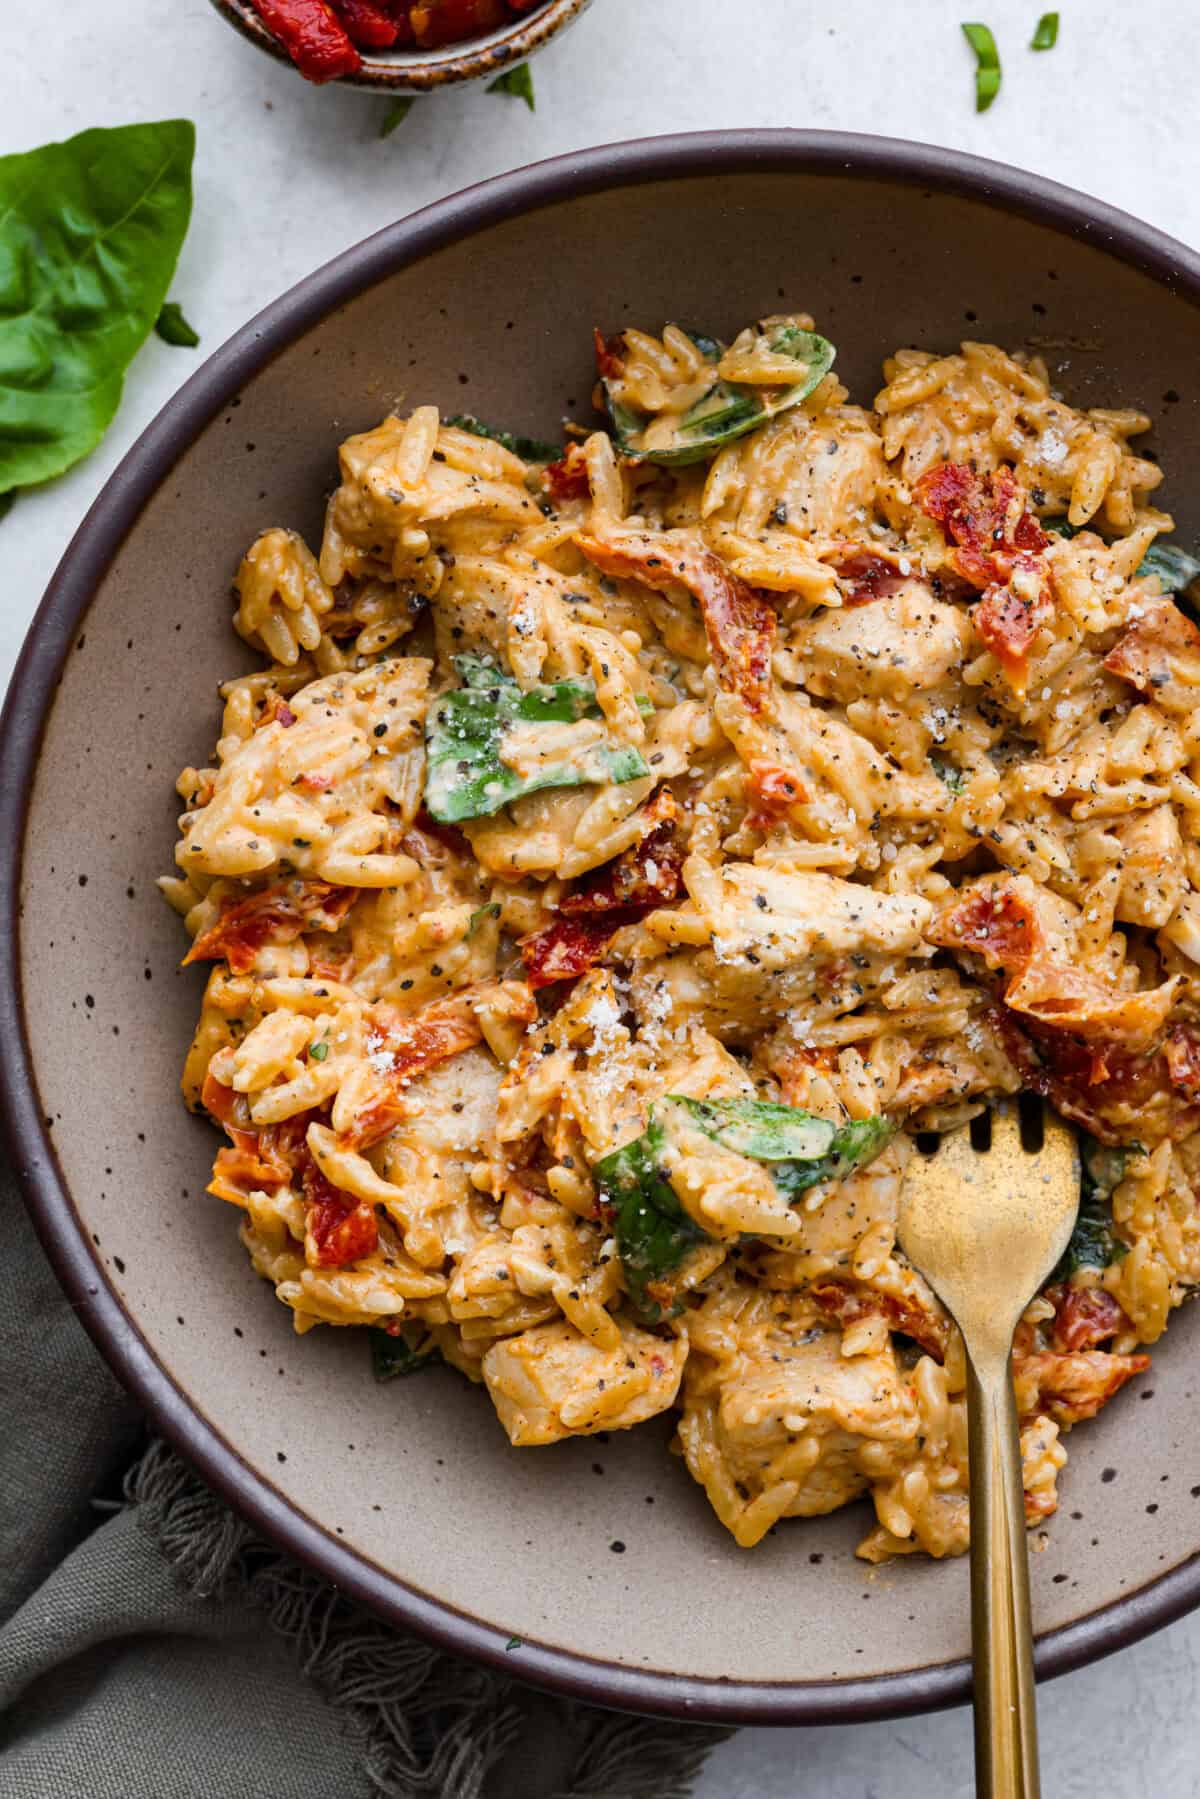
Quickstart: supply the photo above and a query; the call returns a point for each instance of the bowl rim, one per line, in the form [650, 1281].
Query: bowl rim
[424, 71]
[30, 697]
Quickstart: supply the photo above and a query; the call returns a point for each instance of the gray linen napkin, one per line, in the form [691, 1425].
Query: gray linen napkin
[152, 1648]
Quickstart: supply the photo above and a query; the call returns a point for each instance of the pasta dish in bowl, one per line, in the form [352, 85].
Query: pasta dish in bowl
[632, 847]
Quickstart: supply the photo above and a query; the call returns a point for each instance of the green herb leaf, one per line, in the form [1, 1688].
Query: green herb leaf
[953, 778]
[476, 919]
[654, 1234]
[396, 115]
[90, 232]
[392, 1356]
[318, 1052]
[1046, 35]
[515, 1643]
[1094, 1242]
[987, 64]
[464, 740]
[1058, 525]
[516, 83]
[729, 409]
[529, 449]
[1176, 568]
[173, 328]
[6, 502]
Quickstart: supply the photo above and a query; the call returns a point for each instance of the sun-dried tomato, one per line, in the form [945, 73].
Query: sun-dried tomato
[984, 516]
[342, 1228]
[995, 923]
[567, 479]
[865, 575]
[773, 791]
[1008, 620]
[412, 1045]
[645, 876]
[1182, 1051]
[851, 1305]
[438, 22]
[610, 354]
[370, 26]
[317, 42]
[277, 914]
[739, 623]
[1084, 1317]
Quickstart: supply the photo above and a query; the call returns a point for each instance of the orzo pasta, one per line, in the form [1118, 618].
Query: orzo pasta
[625, 853]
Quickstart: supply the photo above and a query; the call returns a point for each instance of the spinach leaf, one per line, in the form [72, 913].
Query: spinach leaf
[1058, 525]
[729, 409]
[464, 740]
[529, 449]
[1175, 568]
[90, 231]
[516, 83]
[987, 64]
[1094, 1243]
[174, 329]
[800, 1149]
[391, 1356]
[654, 1234]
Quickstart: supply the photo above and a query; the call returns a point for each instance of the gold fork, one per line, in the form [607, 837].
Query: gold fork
[985, 1224]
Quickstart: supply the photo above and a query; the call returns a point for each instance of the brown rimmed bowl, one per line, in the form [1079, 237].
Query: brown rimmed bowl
[425, 71]
[595, 1567]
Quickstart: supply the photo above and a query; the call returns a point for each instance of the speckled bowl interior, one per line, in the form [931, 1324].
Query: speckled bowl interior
[601, 1555]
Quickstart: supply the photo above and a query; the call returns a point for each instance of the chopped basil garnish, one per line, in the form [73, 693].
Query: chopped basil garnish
[396, 115]
[987, 64]
[1046, 35]
[467, 730]
[729, 409]
[1059, 525]
[654, 1234]
[529, 449]
[318, 1052]
[516, 83]
[173, 328]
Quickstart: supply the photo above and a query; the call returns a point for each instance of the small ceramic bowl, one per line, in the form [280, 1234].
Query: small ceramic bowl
[596, 1566]
[425, 71]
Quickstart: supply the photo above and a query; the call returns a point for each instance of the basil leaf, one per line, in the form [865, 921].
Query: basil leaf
[392, 1356]
[1176, 569]
[529, 449]
[729, 409]
[1058, 525]
[653, 1233]
[396, 115]
[6, 502]
[173, 328]
[90, 232]
[464, 740]
[987, 64]
[1046, 35]
[516, 83]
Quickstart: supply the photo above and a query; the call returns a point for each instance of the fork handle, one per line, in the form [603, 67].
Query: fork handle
[1006, 1752]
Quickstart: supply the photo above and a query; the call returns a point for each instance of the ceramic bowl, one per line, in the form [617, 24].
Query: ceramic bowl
[601, 1556]
[425, 71]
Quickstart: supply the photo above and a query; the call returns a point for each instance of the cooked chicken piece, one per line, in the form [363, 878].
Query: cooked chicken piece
[888, 648]
[551, 1383]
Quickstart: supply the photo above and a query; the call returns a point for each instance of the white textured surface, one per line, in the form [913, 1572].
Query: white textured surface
[288, 175]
